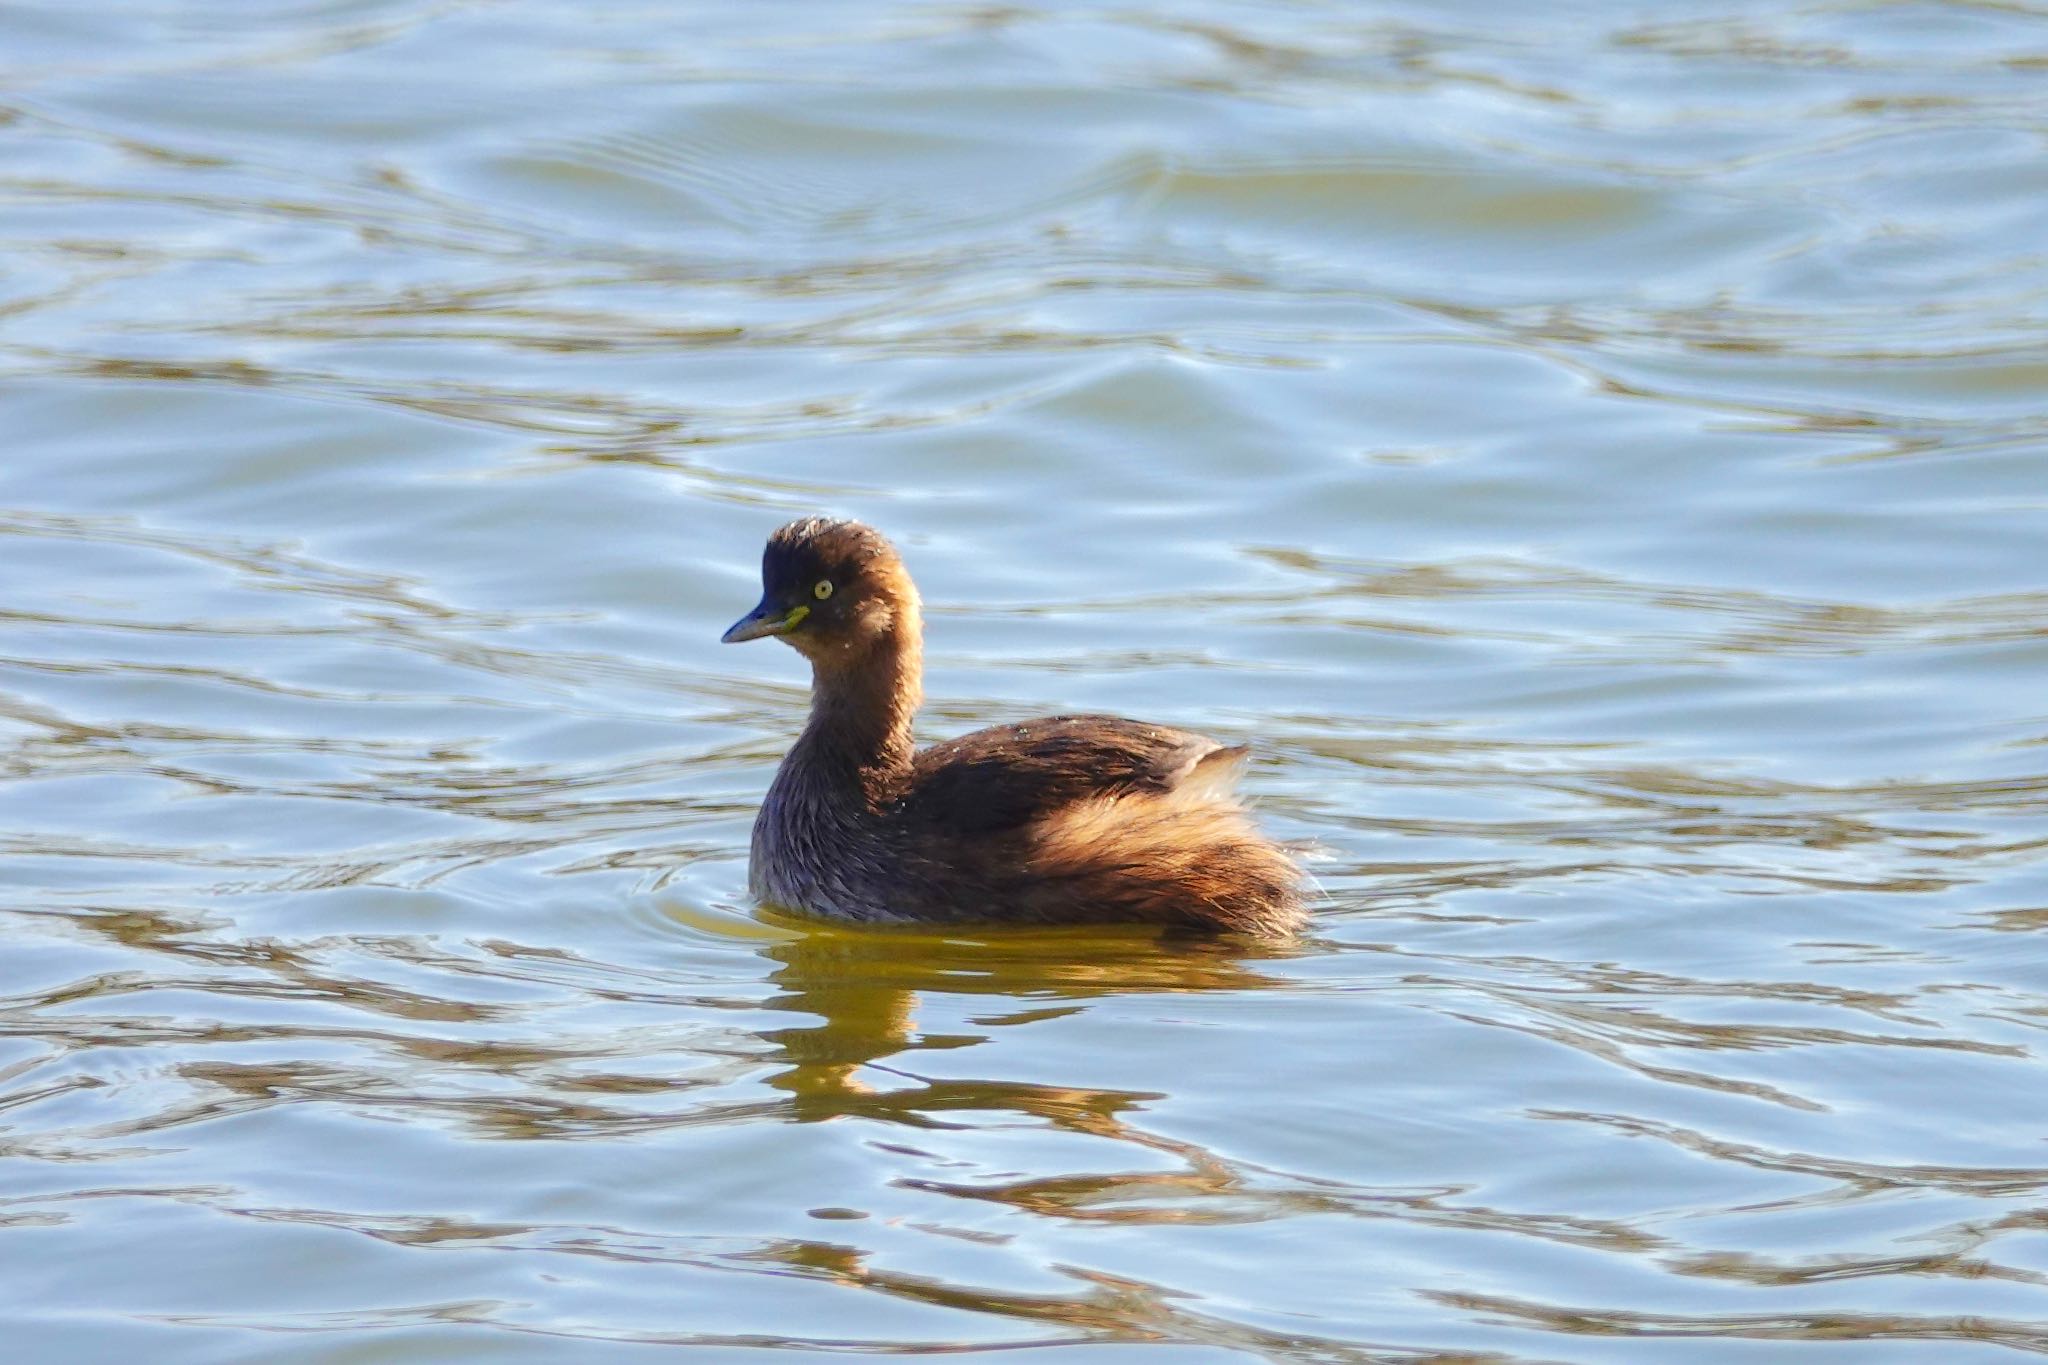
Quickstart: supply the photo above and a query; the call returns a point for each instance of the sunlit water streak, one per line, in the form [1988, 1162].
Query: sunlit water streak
[1594, 455]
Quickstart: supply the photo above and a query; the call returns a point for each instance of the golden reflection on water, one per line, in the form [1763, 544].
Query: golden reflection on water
[864, 986]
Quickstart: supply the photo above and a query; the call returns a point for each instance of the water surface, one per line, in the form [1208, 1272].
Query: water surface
[1595, 453]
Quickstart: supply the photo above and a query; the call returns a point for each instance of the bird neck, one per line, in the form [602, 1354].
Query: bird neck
[859, 734]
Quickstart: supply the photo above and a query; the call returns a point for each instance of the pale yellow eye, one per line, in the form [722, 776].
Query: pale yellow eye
[823, 590]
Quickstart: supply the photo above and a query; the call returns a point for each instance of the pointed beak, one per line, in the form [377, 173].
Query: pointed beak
[765, 619]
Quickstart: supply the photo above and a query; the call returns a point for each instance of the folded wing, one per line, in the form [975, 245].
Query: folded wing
[1008, 776]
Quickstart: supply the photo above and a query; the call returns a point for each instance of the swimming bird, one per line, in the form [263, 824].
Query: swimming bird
[1065, 820]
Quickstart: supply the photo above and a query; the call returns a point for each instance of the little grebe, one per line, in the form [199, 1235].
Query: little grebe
[1066, 820]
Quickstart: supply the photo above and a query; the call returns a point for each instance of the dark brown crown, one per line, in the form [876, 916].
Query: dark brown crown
[813, 548]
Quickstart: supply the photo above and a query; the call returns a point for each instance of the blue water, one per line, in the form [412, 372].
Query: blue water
[1593, 454]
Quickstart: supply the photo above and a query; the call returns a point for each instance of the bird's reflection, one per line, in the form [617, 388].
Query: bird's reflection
[864, 986]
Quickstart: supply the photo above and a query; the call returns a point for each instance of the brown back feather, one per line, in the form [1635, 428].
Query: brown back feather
[1189, 857]
[1009, 776]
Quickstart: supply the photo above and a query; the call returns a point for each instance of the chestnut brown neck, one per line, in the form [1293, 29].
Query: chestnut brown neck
[858, 739]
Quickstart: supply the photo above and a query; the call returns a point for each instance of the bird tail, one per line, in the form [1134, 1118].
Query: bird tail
[1191, 856]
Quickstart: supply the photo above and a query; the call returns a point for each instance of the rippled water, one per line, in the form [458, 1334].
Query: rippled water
[1594, 452]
